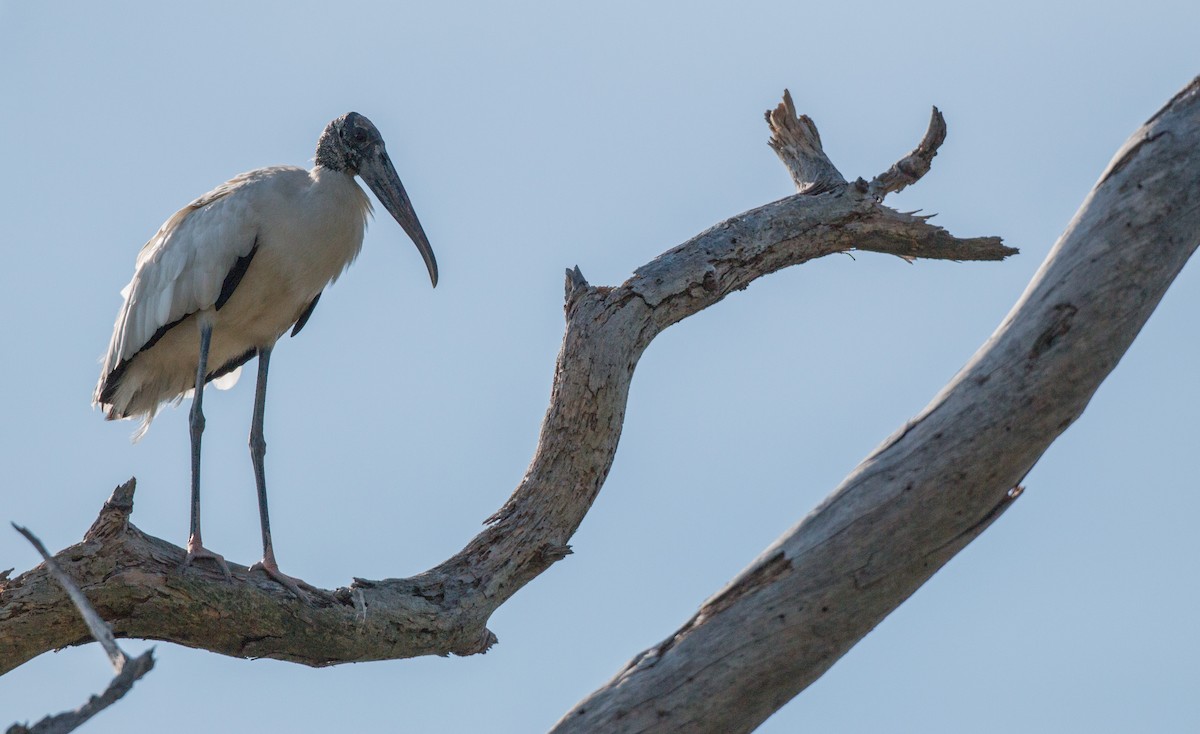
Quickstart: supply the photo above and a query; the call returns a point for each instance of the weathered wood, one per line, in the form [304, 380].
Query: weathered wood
[136, 582]
[909, 169]
[128, 671]
[941, 479]
[795, 139]
[95, 625]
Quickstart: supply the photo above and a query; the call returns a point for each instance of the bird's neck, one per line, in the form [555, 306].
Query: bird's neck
[331, 155]
[329, 185]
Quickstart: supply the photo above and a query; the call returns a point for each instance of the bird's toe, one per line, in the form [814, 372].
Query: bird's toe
[304, 591]
[198, 552]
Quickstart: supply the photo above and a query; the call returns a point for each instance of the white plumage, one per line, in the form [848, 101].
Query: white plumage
[228, 274]
[303, 228]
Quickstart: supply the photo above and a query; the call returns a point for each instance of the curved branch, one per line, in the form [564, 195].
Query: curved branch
[909, 169]
[945, 476]
[136, 581]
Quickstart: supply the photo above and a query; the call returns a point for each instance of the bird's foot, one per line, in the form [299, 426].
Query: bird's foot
[196, 552]
[298, 587]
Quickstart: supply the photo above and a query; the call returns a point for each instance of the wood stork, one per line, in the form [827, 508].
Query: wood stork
[227, 275]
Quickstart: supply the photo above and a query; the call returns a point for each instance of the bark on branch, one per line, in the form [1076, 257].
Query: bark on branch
[136, 580]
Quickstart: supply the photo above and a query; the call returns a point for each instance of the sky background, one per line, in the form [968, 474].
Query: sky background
[537, 136]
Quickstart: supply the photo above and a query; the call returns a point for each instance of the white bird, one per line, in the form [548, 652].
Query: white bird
[226, 276]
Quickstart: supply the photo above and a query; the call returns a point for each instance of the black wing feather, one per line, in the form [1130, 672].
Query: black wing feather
[235, 275]
[232, 278]
[300, 322]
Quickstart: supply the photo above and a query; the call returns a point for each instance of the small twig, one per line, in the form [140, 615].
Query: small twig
[128, 671]
[69, 721]
[909, 169]
[97, 626]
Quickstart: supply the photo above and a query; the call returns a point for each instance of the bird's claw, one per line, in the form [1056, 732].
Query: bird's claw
[291, 583]
[198, 552]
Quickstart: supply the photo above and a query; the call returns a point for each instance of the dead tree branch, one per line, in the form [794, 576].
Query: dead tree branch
[136, 579]
[943, 478]
[909, 169]
[795, 139]
[127, 671]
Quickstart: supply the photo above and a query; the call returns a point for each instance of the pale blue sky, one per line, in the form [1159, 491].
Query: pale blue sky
[537, 136]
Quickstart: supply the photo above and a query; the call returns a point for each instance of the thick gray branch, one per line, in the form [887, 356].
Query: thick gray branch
[942, 478]
[136, 579]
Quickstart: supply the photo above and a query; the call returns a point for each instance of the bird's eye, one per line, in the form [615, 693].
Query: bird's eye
[359, 135]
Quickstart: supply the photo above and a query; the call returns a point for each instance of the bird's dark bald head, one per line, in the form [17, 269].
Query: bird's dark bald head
[346, 141]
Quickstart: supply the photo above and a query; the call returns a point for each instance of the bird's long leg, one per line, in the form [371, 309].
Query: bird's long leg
[258, 451]
[196, 549]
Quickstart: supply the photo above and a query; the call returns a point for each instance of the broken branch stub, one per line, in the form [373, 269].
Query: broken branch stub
[795, 139]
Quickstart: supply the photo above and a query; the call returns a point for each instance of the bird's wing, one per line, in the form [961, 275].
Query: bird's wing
[182, 268]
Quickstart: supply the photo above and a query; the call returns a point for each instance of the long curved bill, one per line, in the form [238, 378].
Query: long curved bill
[379, 173]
